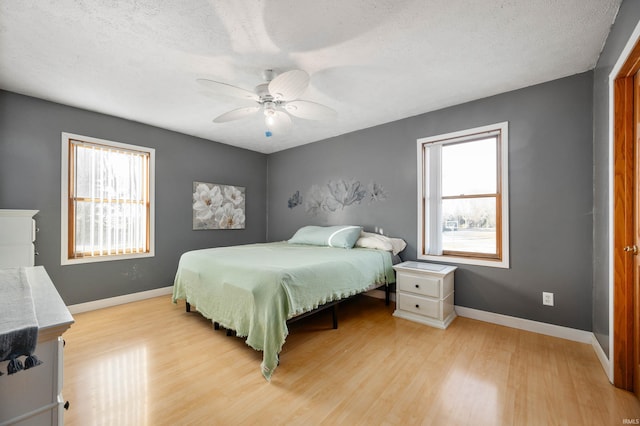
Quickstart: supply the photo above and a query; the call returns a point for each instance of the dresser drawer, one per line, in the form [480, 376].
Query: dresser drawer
[25, 393]
[419, 305]
[419, 284]
[17, 230]
[16, 255]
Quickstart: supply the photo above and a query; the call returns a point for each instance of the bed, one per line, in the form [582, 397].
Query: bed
[255, 289]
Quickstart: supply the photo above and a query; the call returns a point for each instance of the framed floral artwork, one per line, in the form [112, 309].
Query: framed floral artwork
[218, 206]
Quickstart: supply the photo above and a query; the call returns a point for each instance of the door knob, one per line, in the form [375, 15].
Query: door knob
[632, 249]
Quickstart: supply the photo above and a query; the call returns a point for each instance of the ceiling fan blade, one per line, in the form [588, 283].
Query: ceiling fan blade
[227, 89]
[289, 85]
[309, 110]
[281, 123]
[236, 114]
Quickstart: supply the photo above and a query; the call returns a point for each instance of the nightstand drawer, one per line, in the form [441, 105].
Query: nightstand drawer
[419, 305]
[419, 284]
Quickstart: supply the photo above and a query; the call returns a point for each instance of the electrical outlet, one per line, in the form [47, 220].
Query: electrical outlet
[547, 298]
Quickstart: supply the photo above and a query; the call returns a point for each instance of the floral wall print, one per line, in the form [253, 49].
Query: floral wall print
[336, 195]
[295, 200]
[218, 206]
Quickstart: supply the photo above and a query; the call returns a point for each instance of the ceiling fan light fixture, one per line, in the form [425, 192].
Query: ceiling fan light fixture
[269, 120]
[269, 113]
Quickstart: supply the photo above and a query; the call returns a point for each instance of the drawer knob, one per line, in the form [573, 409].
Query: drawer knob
[66, 405]
[417, 285]
[418, 306]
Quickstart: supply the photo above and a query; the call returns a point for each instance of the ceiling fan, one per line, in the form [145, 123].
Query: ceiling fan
[276, 98]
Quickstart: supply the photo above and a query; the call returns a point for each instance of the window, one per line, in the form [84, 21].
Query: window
[463, 208]
[107, 200]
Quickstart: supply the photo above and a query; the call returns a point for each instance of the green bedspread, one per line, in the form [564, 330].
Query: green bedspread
[253, 289]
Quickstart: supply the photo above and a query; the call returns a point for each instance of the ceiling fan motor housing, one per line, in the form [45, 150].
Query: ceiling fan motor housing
[262, 90]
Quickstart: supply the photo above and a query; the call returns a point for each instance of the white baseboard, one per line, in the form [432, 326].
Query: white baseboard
[603, 358]
[119, 300]
[527, 325]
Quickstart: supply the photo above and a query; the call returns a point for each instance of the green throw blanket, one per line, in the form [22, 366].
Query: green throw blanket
[253, 289]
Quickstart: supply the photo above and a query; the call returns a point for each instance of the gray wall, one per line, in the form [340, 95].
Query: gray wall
[626, 21]
[551, 196]
[30, 179]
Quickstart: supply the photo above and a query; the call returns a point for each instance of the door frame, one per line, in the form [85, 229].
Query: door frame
[621, 152]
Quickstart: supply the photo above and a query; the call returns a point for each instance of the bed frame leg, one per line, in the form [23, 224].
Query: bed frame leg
[387, 292]
[188, 306]
[216, 325]
[334, 311]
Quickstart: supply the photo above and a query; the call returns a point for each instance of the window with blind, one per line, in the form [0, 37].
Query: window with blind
[463, 197]
[107, 200]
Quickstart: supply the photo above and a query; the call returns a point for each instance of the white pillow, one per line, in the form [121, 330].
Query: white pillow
[380, 242]
[374, 241]
[398, 245]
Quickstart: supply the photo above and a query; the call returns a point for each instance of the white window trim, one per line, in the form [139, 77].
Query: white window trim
[504, 170]
[64, 196]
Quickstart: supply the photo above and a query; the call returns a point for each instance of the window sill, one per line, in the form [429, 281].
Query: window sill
[95, 259]
[504, 263]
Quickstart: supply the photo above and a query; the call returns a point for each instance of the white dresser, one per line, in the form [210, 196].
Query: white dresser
[17, 235]
[424, 293]
[33, 397]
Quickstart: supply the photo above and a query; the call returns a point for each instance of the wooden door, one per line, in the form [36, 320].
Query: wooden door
[626, 236]
[633, 248]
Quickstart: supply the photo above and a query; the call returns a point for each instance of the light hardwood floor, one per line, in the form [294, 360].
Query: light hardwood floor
[151, 363]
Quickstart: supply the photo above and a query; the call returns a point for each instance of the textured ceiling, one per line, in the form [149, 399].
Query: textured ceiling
[372, 61]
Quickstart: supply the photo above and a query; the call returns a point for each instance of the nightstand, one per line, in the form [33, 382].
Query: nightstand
[424, 293]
